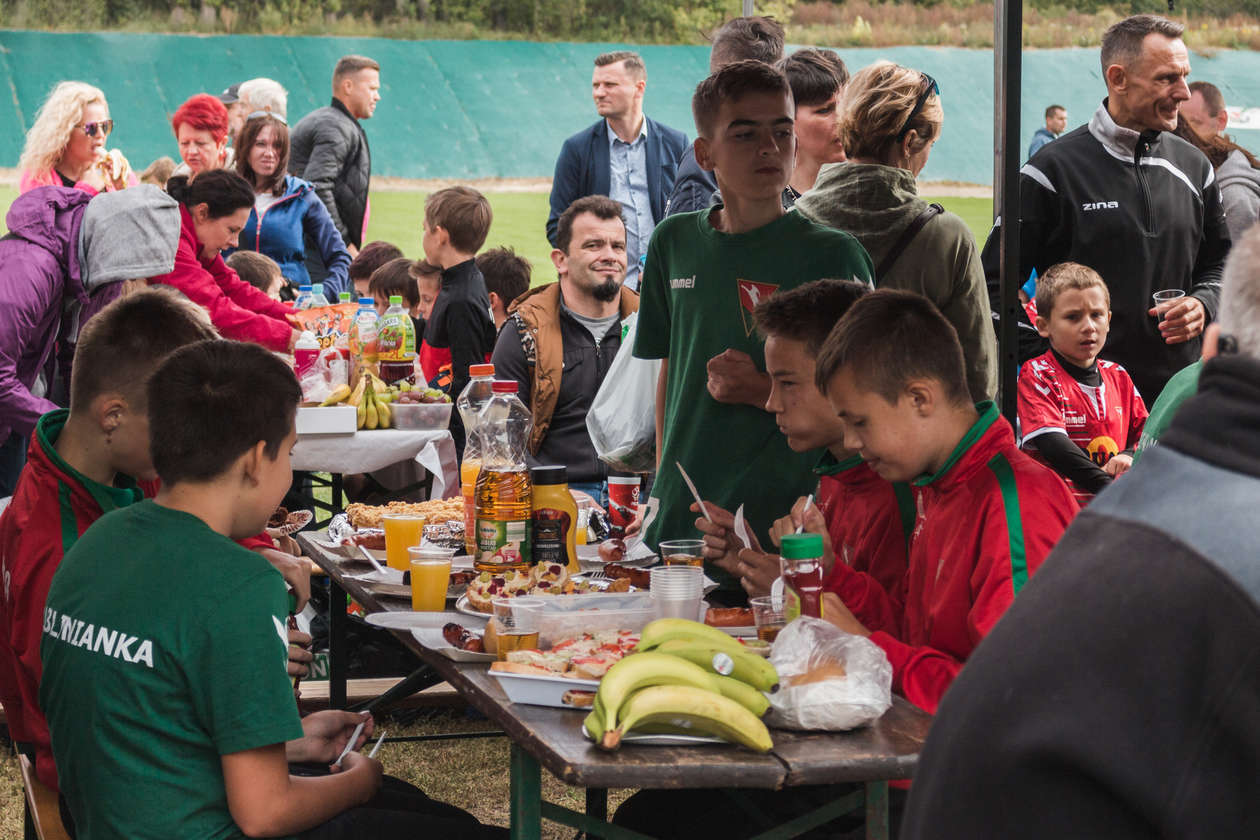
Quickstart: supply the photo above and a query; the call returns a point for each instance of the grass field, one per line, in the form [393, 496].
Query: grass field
[520, 218]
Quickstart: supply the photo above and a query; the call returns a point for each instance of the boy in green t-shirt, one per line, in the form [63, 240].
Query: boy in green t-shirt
[164, 643]
[705, 274]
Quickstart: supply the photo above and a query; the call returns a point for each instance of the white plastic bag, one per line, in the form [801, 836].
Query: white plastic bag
[622, 419]
[811, 645]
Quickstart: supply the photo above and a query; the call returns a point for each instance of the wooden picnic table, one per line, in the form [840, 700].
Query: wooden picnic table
[552, 738]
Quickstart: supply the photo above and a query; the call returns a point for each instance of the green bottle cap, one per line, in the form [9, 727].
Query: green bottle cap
[801, 546]
[395, 300]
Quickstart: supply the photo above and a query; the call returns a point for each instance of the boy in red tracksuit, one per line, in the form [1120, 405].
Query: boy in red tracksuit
[1078, 414]
[83, 463]
[987, 514]
[864, 520]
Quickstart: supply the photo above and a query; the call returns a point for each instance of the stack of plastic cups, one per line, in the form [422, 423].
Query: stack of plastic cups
[677, 591]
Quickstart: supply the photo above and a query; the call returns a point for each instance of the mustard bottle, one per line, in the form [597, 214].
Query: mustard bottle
[554, 518]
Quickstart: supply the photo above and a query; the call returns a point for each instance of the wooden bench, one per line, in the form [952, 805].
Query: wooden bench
[315, 694]
[41, 805]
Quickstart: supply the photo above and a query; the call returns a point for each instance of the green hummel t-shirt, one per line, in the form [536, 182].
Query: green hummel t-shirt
[164, 648]
[699, 290]
[1180, 388]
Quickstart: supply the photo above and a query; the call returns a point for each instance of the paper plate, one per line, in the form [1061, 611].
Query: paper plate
[408, 620]
[434, 640]
[297, 520]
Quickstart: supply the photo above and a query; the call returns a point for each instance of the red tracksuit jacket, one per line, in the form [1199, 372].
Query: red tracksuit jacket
[985, 523]
[869, 521]
[52, 506]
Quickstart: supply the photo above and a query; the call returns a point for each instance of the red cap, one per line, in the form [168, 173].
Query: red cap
[481, 370]
[500, 386]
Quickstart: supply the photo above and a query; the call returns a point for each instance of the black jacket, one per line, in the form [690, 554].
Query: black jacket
[1144, 211]
[460, 320]
[329, 148]
[694, 188]
[582, 169]
[1119, 696]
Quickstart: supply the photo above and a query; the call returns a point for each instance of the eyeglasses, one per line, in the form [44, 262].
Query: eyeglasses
[103, 126]
[275, 117]
[929, 87]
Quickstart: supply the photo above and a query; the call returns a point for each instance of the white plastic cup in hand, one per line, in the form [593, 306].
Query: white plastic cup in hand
[677, 591]
[1166, 296]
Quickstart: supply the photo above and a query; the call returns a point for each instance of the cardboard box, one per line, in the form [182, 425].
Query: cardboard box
[330, 420]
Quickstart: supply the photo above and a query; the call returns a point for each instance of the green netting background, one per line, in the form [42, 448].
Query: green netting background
[478, 109]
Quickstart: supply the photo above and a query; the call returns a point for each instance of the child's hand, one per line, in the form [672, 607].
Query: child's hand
[735, 380]
[357, 763]
[300, 656]
[324, 736]
[1118, 465]
[757, 571]
[834, 611]
[721, 545]
[296, 572]
[815, 523]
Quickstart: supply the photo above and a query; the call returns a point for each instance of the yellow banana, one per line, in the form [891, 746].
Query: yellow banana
[666, 629]
[356, 396]
[643, 669]
[743, 694]
[339, 393]
[384, 414]
[594, 725]
[744, 666]
[694, 710]
[369, 399]
[360, 415]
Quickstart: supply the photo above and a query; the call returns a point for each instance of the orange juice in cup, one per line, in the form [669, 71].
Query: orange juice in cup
[402, 531]
[430, 577]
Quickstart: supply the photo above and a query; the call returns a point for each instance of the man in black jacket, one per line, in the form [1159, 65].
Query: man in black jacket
[329, 148]
[1119, 696]
[1132, 201]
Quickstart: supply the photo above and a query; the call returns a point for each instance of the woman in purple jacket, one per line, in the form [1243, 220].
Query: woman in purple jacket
[63, 259]
[287, 214]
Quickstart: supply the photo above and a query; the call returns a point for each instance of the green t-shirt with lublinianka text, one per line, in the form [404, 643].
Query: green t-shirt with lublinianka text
[164, 648]
[699, 290]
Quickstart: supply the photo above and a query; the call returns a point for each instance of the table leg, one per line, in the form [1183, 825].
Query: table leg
[335, 494]
[337, 665]
[597, 804]
[877, 811]
[526, 795]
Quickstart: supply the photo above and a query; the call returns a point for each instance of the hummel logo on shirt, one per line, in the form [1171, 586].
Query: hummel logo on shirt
[683, 282]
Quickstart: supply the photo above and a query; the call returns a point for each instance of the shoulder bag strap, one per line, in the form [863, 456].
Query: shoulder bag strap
[907, 237]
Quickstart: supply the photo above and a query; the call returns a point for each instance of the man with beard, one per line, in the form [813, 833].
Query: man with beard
[560, 338]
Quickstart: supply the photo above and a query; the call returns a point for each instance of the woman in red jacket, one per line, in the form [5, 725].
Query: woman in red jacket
[214, 208]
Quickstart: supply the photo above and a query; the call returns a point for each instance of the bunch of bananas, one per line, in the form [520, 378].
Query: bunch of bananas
[371, 397]
[686, 678]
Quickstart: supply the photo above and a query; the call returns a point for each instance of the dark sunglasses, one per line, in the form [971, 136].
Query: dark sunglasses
[103, 126]
[929, 87]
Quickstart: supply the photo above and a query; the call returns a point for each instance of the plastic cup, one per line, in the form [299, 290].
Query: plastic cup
[682, 552]
[1168, 297]
[768, 616]
[517, 622]
[402, 531]
[677, 591]
[430, 578]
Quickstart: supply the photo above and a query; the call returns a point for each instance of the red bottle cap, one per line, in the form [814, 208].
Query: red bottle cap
[501, 387]
[481, 370]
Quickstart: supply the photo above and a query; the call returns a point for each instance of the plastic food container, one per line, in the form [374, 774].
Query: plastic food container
[542, 691]
[569, 616]
[425, 416]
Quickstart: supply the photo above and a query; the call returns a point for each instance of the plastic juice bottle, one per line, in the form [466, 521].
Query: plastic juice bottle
[363, 335]
[469, 403]
[317, 296]
[395, 334]
[802, 567]
[303, 299]
[344, 297]
[504, 501]
[555, 518]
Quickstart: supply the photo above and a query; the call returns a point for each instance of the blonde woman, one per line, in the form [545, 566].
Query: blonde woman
[890, 116]
[66, 145]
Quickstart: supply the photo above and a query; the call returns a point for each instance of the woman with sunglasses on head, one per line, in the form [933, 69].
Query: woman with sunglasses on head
[890, 118]
[213, 210]
[201, 130]
[66, 145]
[287, 214]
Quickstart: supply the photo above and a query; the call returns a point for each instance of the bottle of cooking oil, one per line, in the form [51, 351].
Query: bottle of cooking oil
[469, 404]
[504, 502]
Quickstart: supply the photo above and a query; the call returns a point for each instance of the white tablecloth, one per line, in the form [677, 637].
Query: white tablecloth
[365, 452]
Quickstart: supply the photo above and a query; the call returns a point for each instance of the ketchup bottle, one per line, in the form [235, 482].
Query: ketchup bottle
[802, 568]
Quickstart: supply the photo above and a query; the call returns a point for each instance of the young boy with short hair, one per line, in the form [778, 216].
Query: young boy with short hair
[164, 662]
[705, 274]
[370, 257]
[864, 520]
[456, 224]
[433, 360]
[987, 516]
[507, 277]
[1079, 414]
[258, 270]
[394, 278]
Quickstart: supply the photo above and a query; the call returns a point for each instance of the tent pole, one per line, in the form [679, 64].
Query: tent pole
[1008, 29]
[748, 8]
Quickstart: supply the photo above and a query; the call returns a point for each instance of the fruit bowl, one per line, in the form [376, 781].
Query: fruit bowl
[426, 416]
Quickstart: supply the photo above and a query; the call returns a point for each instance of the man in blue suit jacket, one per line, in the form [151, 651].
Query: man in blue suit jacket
[625, 156]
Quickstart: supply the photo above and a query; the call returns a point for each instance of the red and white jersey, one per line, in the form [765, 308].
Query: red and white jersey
[1102, 420]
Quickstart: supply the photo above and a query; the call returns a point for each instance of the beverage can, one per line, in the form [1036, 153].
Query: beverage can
[623, 501]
